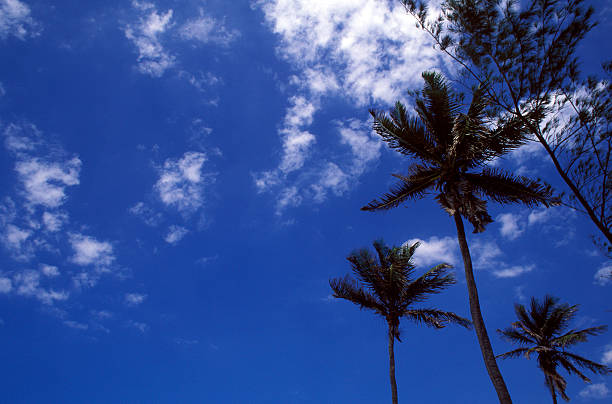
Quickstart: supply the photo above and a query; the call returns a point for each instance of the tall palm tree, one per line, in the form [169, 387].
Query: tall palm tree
[453, 149]
[390, 291]
[542, 331]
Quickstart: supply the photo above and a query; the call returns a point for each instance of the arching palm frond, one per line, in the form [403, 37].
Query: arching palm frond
[503, 187]
[540, 330]
[412, 187]
[436, 318]
[346, 288]
[573, 337]
[404, 134]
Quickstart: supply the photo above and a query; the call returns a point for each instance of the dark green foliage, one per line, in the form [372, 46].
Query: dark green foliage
[543, 331]
[450, 146]
[523, 54]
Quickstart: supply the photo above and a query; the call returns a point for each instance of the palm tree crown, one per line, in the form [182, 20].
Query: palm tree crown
[543, 331]
[450, 146]
[388, 287]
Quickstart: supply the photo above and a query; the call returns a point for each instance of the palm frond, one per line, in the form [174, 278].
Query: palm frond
[437, 109]
[514, 335]
[433, 281]
[436, 318]
[571, 369]
[513, 354]
[412, 187]
[504, 187]
[407, 135]
[347, 288]
[573, 337]
[587, 364]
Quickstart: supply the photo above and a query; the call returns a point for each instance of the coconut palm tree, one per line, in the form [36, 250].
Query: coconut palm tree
[542, 331]
[452, 150]
[390, 291]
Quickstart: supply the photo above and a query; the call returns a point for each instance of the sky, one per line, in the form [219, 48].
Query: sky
[181, 179]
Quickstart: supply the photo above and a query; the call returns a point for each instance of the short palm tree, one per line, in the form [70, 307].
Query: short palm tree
[452, 150]
[542, 331]
[390, 291]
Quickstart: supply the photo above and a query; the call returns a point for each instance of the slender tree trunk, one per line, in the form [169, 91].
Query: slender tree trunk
[477, 320]
[392, 366]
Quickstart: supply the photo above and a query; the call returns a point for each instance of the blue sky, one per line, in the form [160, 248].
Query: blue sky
[180, 179]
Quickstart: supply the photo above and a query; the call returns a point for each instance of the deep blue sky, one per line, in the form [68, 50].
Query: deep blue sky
[180, 179]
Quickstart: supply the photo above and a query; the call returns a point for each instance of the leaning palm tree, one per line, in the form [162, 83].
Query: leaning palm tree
[390, 291]
[542, 331]
[453, 149]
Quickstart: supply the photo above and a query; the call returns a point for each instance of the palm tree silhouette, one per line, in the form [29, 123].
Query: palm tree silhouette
[390, 291]
[450, 146]
[542, 331]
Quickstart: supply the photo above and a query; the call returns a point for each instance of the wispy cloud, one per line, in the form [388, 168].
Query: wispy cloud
[181, 183]
[603, 276]
[205, 29]
[153, 58]
[134, 299]
[510, 226]
[16, 20]
[335, 47]
[435, 250]
[596, 391]
[89, 251]
[175, 234]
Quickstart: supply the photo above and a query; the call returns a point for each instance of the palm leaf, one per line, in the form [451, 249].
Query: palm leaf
[436, 318]
[412, 187]
[346, 288]
[573, 337]
[513, 354]
[504, 187]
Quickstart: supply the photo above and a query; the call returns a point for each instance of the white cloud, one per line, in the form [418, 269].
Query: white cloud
[435, 250]
[134, 299]
[510, 226]
[206, 29]
[15, 20]
[54, 221]
[603, 276]
[45, 182]
[349, 38]
[27, 283]
[541, 215]
[89, 251]
[607, 355]
[175, 234]
[76, 325]
[485, 254]
[181, 184]
[14, 238]
[49, 270]
[367, 51]
[513, 271]
[288, 197]
[6, 285]
[142, 327]
[146, 214]
[153, 59]
[596, 391]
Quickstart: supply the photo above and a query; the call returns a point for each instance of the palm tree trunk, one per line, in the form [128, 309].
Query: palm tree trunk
[477, 320]
[392, 366]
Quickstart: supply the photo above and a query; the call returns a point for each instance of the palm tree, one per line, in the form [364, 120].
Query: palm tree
[390, 290]
[450, 147]
[542, 331]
